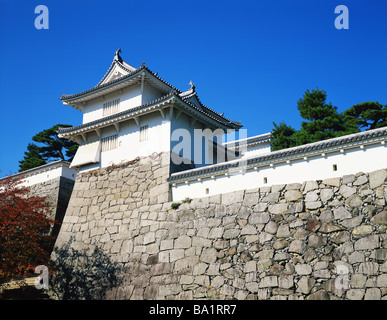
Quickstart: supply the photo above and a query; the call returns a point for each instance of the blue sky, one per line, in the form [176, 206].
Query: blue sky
[251, 60]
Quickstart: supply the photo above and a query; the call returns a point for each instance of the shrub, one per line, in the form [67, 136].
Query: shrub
[175, 205]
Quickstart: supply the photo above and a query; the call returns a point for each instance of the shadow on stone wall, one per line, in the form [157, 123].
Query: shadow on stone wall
[83, 274]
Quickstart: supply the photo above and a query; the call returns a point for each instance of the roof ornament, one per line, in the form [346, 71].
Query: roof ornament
[143, 64]
[192, 86]
[117, 56]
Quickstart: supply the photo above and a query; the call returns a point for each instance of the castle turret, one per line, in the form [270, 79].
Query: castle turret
[132, 112]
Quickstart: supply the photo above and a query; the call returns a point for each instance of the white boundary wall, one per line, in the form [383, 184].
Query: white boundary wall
[362, 158]
[47, 172]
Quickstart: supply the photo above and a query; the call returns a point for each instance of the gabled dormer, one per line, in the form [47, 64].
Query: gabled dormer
[123, 87]
[118, 69]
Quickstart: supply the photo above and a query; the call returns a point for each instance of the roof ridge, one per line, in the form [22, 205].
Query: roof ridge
[106, 73]
[143, 67]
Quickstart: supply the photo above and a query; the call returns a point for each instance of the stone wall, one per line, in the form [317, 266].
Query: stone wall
[58, 191]
[311, 240]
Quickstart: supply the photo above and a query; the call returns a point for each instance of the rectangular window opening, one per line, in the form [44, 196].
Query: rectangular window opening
[335, 167]
[144, 133]
[207, 190]
[111, 107]
[109, 143]
[265, 180]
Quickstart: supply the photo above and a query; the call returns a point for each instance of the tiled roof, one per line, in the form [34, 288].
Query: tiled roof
[128, 113]
[249, 141]
[190, 97]
[131, 74]
[320, 146]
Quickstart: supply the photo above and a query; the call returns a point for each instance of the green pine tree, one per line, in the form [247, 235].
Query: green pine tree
[322, 121]
[51, 148]
[32, 158]
[282, 136]
[367, 115]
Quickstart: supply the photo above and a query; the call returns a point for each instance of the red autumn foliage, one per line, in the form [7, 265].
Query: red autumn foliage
[24, 226]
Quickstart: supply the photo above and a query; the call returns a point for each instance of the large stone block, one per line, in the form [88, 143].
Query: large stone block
[297, 246]
[259, 218]
[283, 231]
[341, 213]
[319, 295]
[303, 269]
[232, 197]
[293, 195]
[305, 284]
[367, 243]
[183, 241]
[369, 268]
[269, 281]
[326, 194]
[380, 218]
[381, 281]
[208, 255]
[310, 185]
[347, 191]
[334, 182]
[363, 230]
[285, 281]
[377, 178]
[278, 208]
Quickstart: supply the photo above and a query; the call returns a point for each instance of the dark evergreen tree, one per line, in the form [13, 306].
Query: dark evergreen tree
[282, 136]
[323, 121]
[32, 158]
[367, 115]
[51, 148]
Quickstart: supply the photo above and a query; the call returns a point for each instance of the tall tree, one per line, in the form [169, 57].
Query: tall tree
[282, 136]
[51, 148]
[322, 121]
[32, 158]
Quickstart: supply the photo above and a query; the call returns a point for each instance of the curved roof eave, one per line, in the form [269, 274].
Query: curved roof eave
[127, 114]
[73, 98]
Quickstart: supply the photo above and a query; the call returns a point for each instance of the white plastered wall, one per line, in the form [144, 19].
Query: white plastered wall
[50, 173]
[129, 145]
[129, 98]
[256, 150]
[352, 161]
